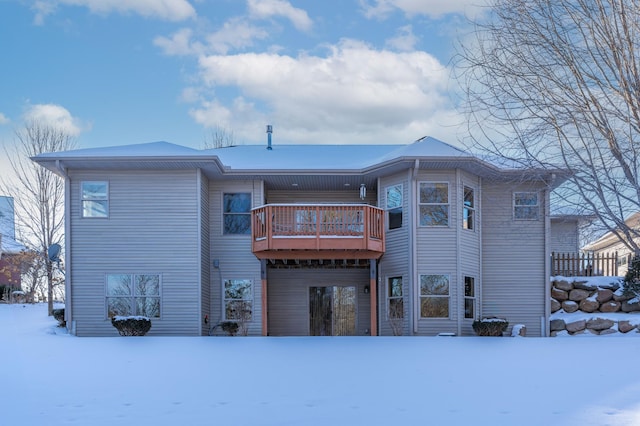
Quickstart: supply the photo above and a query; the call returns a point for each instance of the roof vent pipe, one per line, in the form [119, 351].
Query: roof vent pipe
[269, 131]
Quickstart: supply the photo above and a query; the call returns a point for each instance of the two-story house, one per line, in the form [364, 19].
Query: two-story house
[296, 240]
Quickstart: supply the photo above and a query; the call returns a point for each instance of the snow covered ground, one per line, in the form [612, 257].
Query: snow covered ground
[50, 378]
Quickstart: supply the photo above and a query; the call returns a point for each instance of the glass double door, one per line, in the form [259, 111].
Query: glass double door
[332, 311]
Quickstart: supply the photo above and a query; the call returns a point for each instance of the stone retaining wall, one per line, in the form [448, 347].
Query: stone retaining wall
[582, 297]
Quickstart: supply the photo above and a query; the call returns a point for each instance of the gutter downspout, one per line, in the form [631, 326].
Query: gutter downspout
[68, 306]
[544, 330]
[413, 263]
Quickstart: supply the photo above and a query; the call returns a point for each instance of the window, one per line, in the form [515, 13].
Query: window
[95, 199]
[434, 204]
[469, 297]
[434, 296]
[133, 294]
[238, 300]
[525, 205]
[468, 209]
[394, 206]
[395, 301]
[237, 213]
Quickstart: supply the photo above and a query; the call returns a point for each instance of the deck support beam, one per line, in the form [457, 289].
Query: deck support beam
[373, 293]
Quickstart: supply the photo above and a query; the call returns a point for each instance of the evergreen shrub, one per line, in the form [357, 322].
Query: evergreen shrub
[131, 326]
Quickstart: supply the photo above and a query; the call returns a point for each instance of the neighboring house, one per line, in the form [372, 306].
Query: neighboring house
[303, 240]
[566, 227]
[9, 247]
[610, 244]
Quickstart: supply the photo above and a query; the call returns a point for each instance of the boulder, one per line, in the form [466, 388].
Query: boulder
[628, 306]
[589, 305]
[584, 285]
[519, 330]
[613, 286]
[555, 305]
[557, 325]
[604, 295]
[574, 327]
[599, 324]
[563, 285]
[559, 295]
[578, 294]
[611, 306]
[625, 326]
[570, 306]
[619, 296]
[607, 331]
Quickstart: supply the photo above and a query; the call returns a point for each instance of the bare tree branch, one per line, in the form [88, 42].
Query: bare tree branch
[556, 84]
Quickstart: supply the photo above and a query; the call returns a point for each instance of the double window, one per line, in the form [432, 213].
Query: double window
[394, 206]
[133, 294]
[238, 300]
[434, 296]
[94, 198]
[526, 206]
[434, 204]
[236, 212]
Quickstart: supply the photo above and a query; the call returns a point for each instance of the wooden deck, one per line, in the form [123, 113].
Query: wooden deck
[317, 231]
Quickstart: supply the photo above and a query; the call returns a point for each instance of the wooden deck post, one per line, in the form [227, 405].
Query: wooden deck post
[263, 280]
[373, 293]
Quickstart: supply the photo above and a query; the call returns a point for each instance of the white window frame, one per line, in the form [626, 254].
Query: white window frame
[90, 199]
[474, 298]
[469, 210]
[534, 207]
[389, 208]
[247, 213]
[132, 296]
[249, 299]
[447, 204]
[447, 296]
[390, 297]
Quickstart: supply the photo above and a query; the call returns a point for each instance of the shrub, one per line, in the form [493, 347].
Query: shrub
[230, 327]
[490, 326]
[58, 314]
[131, 326]
[631, 284]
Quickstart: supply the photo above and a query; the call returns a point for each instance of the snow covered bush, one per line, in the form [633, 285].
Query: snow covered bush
[490, 326]
[230, 327]
[58, 314]
[131, 326]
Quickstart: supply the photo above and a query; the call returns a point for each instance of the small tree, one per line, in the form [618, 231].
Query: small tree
[631, 283]
[38, 193]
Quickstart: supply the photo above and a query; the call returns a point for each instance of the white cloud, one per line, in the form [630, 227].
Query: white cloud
[54, 115]
[355, 94]
[170, 10]
[433, 8]
[405, 40]
[4, 119]
[180, 43]
[263, 9]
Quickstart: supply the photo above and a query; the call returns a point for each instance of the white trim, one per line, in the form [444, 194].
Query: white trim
[448, 296]
[107, 199]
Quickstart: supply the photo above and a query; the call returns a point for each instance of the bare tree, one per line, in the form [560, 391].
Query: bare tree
[218, 137]
[556, 84]
[38, 193]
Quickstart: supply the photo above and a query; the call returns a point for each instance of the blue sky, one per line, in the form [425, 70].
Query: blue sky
[116, 72]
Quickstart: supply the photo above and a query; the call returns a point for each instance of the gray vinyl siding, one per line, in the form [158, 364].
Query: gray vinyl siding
[395, 261]
[152, 228]
[351, 195]
[205, 257]
[233, 252]
[470, 249]
[288, 297]
[437, 253]
[514, 278]
[564, 236]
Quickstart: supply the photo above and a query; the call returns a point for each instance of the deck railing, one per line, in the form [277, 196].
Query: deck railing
[586, 264]
[292, 226]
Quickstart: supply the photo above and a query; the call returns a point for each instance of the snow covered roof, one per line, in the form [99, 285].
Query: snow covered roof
[367, 161]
